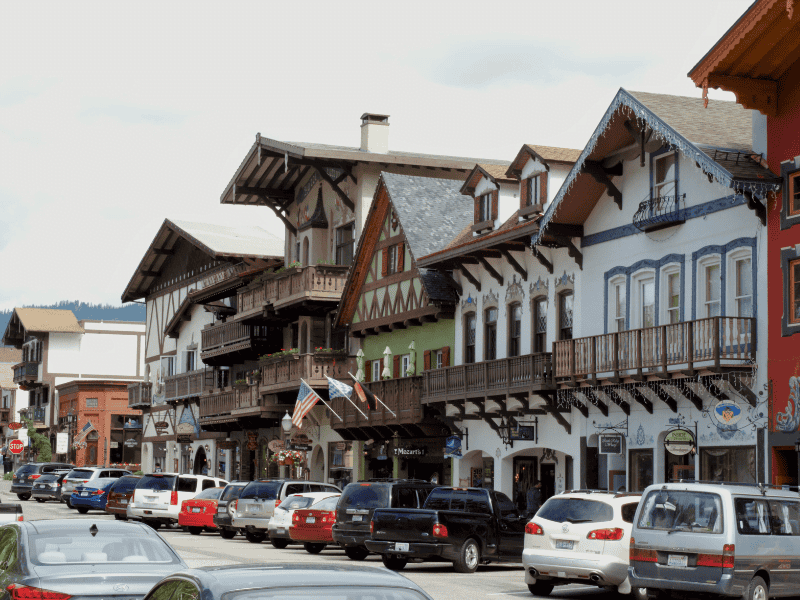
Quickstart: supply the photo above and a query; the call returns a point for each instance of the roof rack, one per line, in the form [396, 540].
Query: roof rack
[615, 494]
[761, 486]
[396, 480]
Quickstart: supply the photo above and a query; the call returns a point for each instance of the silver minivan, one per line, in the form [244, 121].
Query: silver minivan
[723, 539]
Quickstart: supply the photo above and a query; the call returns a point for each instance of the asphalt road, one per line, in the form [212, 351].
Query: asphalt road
[493, 582]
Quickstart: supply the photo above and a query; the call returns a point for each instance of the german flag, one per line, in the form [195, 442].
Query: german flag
[365, 396]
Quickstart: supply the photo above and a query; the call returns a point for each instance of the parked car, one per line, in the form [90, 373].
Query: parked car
[198, 513]
[256, 504]
[92, 496]
[281, 521]
[360, 499]
[119, 496]
[312, 526]
[581, 537]
[10, 513]
[63, 558]
[83, 475]
[26, 475]
[158, 497]
[225, 506]
[318, 581]
[467, 526]
[48, 486]
[692, 539]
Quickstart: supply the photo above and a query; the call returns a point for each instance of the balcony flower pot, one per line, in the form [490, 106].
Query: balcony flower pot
[241, 385]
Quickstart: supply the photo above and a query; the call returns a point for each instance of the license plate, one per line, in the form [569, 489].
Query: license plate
[564, 544]
[281, 530]
[151, 499]
[311, 520]
[84, 494]
[197, 509]
[401, 546]
[358, 518]
[39, 486]
[677, 560]
[123, 502]
[253, 508]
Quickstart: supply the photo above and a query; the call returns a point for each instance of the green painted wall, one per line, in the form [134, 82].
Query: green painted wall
[430, 336]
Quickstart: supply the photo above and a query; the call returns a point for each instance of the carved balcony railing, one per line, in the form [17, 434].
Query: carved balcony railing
[26, 372]
[283, 373]
[35, 414]
[185, 385]
[713, 342]
[517, 374]
[229, 403]
[231, 337]
[140, 394]
[401, 395]
[660, 212]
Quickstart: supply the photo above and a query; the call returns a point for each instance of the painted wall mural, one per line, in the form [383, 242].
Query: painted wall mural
[788, 420]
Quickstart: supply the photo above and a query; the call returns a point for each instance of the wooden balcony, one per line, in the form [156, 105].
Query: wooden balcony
[35, 414]
[26, 372]
[401, 395]
[232, 340]
[226, 405]
[185, 385]
[712, 344]
[503, 377]
[5, 416]
[283, 373]
[140, 394]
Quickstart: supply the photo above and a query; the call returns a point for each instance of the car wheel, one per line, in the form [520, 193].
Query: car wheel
[83, 510]
[279, 543]
[153, 524]
[23, 496]
[540, 588]
[119, 517]
[40, 500]
[394, 562]
[69, 503]
[227, 534]
[468, 557]
[314, 548]
[195, 530]
[356, 553]
[758, 590]
[254, 538]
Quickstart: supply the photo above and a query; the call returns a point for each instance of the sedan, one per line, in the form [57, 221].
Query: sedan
[312, 526]
[288, 581]
[48, 486]
[62, 558]
[281, 520]
[198, 513]
[92, 495]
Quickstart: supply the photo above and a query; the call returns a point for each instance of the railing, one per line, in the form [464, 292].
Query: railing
[692, 343]
[35, 414]
[140, 394]
[224, 402]
[532, 371]
[401, 395]
[284, 372]
[185, 385]
[26, 370]
[232, 336]
[657, 213]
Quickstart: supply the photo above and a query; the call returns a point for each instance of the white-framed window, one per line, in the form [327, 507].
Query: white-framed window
[376, 370]
[167, 366]
[618, 303]
[405, 362]
[710, 287]
[671, 294]
[740, 280]
[664, 175]
[439, 359]
[643, 307]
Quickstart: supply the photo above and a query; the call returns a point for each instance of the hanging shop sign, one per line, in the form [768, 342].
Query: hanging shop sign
[727, 412]
[300, 447]
[679, 442]
[184, 439]
[452, 447]
[226, 445]
[411, 451]
[131, 443]
[161, 426]
[15, 426]
[184, 429]
[522, 433]
[610, 444]
[275, 446]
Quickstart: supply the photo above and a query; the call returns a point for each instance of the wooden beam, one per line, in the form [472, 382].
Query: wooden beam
[150, 273]
[595, 399]
[272, 193]
[542, 260]
[345, 199]
[470, 277]
[641, 399]
[515, 265]
[601, 176]
[490, 269]
[618, 400]
[572, 249]
[741, 387]
[283, 218]
[714, 390]
[552, 410]
[452, 282]
[690, 395]
[758, 94]
[412, 322]
[566, 230]
[162, 252]
[580, 406]
[486, 253]
[664, 396]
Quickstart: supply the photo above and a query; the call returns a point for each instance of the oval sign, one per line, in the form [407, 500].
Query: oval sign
[275, 446]
[727, 412]
[679, 442]
[15, 426]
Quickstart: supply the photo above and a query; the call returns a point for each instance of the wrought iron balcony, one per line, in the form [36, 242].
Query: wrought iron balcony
[401, 395]
[283, 373]
[26, 372]
[185, 385]
[140, 394]
[660, 212]
[714, 343]
[502, 377]
[233, 340]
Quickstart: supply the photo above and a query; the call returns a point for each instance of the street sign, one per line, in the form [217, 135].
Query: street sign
[62, 442]
[16, 446]
[14, 426]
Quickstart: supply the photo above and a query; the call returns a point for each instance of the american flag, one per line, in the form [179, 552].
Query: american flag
[83, 432]
[306, 399]
[338, 389]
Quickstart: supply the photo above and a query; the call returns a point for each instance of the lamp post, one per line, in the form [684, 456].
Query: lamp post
[797, 449]
[286, 425]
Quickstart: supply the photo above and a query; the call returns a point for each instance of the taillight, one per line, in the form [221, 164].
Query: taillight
[24, 592]
[173, 499]
[641, 554]
[277, 502]
[35, 477]
[98, 492]
[728, 552]
[371, 527]
[295, 518]
[439, 531]
[235, 504]
[534, 529]
[721, 561]
[84, 481]
[613, 533]
[19, 518]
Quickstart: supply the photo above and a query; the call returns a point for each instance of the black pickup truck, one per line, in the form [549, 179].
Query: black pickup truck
[466, 526]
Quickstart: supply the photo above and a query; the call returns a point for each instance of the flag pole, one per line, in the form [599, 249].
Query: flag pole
[376, 398]
[354, 404]
[323, 401]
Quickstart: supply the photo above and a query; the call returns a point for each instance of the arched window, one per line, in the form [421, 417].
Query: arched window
[514, 329]
[469, 338]
[540, 324]
[490, 334]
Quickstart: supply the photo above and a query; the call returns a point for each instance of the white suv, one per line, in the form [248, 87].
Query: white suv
[83, 475]
[158, 497]
[581, 537]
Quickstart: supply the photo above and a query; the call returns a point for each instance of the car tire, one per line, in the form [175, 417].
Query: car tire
[83, 510]
[469, 557]
[69, 503]
[119, 517]
[40, 500]
[279, 543]
[540, 588]
[23, 497]
[356, 552]
[152, 524]
[227, 534]
[394, 562]
[312, 548]
[254, 538]
[757, 590]
[638, 593]
[195, 530]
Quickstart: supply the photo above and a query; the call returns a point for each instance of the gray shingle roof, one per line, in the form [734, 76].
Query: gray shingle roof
[437, 287]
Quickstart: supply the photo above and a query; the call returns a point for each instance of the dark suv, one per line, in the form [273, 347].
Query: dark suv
[360, 499]
[26, 475]
[225, 506]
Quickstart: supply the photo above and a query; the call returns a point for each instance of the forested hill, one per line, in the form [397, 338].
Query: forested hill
[82, 310]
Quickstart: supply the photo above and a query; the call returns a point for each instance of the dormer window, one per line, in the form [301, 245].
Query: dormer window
[484, 207]
[533, 194]
[485, 211]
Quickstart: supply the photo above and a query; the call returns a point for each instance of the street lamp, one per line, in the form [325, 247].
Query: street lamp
[286, 424]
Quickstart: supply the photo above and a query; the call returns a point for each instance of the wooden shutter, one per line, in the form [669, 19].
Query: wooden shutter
[495, 199]
[401, 257]
[380, 374]
[523, 193]
[396, 369]
[368, 371]
[543, 188]
[477, 209]
[385, 263]
[427, 356]
[446, 356]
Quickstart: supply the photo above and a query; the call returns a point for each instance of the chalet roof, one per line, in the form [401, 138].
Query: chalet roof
[39, 320]
[495, 173]
[10, 355]
[217, 241]
[545, 154]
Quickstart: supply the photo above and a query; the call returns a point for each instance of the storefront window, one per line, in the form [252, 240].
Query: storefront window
[736, 465]
[680, 466]
[340, 463]
[641, 469]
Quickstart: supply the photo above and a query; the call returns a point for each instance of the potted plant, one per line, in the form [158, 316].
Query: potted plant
[241, 384]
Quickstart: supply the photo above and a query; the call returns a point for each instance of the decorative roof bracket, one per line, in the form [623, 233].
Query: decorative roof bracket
[335, 186]
[470, 277]
[542, 260]
[592, 397]
[572, 250]
[491, 270]
[756, 206]
[601, 175]
[515, 265]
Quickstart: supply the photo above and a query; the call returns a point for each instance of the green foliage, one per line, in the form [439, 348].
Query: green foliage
[291, 265]
[40, 443]
[8, 476]
[139, 473]
[277, 354]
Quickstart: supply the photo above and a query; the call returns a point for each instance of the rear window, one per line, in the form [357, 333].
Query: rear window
[365, 495]
[209, 494]
[327, 504]
[26, 470]
[475, 501]
[261, 489]
[80, 474]
[105, 546]
[157, 483]
[295, 502]
[125, 485]
[576, 510]
[187, 484]
[231, 492]
[48, 478]
[674, 510]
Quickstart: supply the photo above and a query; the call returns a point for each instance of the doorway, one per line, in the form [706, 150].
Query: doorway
[548, 479]
[200, 461]
[678, 466]
[525, 476]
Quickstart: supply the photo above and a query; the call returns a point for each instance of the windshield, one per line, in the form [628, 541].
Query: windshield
[157, 483]
[327, 593]
[675, 510]
[80, 474]
[82, 547]
[327, 504]
[231, 492]
[365, 495]
[261, 489]
[575, 510]
[209, 494]
[125, 485]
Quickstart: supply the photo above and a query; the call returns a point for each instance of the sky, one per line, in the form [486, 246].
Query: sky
[117, 115]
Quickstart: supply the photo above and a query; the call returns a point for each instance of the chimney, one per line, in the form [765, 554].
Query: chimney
[375, 133]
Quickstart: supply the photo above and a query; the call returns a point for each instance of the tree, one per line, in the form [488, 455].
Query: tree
[40, 443]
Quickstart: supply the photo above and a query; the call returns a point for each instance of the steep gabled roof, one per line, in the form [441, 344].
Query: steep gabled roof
[545, 155]
[494, 173]
[39, 320]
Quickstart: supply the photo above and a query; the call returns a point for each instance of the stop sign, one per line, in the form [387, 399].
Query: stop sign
[16, 446]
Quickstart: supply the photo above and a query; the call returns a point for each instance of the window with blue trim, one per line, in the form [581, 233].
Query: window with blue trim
[665, 175]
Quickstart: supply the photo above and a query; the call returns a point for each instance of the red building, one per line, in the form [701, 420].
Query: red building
[757, 60]
[97, 417]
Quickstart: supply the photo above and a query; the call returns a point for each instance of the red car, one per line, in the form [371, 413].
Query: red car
[312, 526]
[198, 513]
